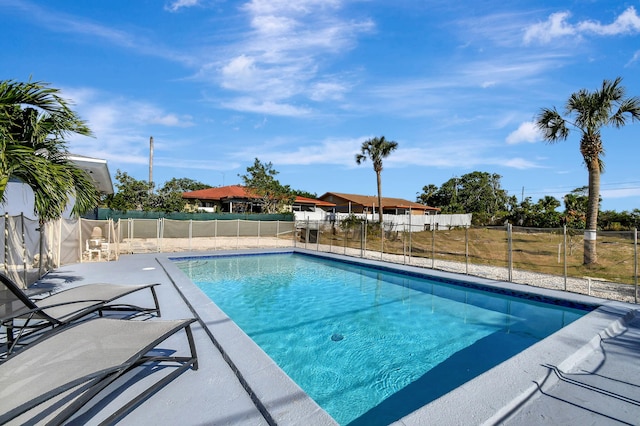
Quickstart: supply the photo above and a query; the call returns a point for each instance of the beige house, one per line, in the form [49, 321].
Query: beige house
[367, 204]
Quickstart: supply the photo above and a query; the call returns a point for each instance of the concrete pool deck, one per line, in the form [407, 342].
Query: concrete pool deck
[588, 372]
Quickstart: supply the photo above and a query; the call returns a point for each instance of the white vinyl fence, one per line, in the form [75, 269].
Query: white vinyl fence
[410, 222]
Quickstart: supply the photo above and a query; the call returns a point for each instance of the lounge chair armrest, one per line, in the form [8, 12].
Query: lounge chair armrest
[41, 309]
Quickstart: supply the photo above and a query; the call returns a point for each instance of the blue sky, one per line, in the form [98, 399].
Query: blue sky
[302, 84]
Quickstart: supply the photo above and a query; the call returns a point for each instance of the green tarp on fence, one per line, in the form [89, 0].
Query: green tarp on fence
[104, 214]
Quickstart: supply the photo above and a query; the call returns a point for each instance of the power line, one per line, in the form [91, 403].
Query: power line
[567, 189]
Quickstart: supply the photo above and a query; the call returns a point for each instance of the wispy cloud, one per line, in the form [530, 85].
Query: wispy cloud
[341, 152]
[121, 126]
[634, 58]
[249, 104]
[337, 151]
[174, 6]
[284, 55]
[81, 26]
[558, 25]
[621, 193]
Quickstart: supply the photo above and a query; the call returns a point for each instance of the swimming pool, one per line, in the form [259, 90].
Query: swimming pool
[370, 345]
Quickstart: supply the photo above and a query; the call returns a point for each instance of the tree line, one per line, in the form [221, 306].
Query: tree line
[481, 193]
[259, 180]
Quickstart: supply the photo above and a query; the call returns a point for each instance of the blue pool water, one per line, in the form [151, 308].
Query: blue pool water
[370, 345]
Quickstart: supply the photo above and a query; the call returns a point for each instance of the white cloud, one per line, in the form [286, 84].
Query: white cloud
[327, 91]
[285, 54]
[557, 25]
[627, 22]
[176, 5]
[526, 132]
[303, 7]
[341, 152]
[121, 126]
[248, 104]
[518, 163]
[240, 72]
[273, 25]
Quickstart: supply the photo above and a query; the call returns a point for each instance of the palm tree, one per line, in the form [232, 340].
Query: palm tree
[588, 112]
[34, 122]
[376, 149]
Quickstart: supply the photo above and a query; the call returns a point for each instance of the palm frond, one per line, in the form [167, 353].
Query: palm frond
[552, 126]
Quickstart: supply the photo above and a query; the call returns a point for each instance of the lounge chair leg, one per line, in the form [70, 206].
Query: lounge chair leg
[155, 300]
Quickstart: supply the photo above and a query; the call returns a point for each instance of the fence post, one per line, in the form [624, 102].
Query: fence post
[382, 239]
[24, 251]
[59, 248]
[129, 233]
[433, 247]
[363, 238]
[294, 233]
[509, 252]
[466, 250]
[410, 234]
[404, 246]
[318, 236]
[346, 234]
[306, 232]
[635, 261]
[160, 234]
[80, 249]
[564, 237]
[5, 265]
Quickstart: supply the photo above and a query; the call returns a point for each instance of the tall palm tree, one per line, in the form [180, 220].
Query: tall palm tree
[588, 112]
[34, 122]
[376, 149]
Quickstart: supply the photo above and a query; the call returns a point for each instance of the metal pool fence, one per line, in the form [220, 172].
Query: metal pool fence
[28, 250]
[550, 258]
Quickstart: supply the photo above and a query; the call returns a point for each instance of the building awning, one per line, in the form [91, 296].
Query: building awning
[97, 170]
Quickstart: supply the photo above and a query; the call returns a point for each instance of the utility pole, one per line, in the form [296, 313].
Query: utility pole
[151, 164]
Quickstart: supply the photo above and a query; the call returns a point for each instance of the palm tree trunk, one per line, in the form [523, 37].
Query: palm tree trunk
[379, 197]
[379, 180]
[590, 254]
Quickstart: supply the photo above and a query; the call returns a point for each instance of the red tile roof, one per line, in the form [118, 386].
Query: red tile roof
[305, 200]
[239, 191]
[219, 193]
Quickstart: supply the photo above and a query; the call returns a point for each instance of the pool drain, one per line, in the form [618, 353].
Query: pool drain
[336, 337]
